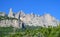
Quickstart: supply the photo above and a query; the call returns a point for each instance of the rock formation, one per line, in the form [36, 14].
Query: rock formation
[29, 19]
[11, 14]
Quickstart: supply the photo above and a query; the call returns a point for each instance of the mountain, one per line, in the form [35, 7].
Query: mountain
[29, 19]
[45, 20]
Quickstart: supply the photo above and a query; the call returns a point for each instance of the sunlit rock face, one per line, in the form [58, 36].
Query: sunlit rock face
[49, 20]
[17, 15]
[21, 13]
[35, 20]
[29, 19]
[11, 14]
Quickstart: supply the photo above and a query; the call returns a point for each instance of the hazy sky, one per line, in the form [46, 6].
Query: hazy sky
[36, 6]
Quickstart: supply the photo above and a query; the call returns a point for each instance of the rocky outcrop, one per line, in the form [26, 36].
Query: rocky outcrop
[29, 19]
[35, 20]
[11, 14]
[10, 22]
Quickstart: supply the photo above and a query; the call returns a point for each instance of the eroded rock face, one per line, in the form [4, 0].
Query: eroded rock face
[29, 19]
[45, 20]
[11, 14]
[48, 20]
[7, 23]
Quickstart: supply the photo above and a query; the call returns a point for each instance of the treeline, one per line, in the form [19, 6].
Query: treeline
[30, 31]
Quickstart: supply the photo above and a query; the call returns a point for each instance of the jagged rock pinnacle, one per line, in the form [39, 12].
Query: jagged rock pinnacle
[32, 19]
[11, 14]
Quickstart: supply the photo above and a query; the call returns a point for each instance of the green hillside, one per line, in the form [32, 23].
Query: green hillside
[30, 32]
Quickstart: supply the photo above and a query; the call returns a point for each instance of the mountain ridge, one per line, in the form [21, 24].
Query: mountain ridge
[32, 19]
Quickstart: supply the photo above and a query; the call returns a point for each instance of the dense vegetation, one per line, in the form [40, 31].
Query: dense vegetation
[6, 17]
[30, 31]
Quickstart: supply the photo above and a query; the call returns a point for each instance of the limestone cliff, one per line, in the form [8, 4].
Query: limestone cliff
[29, 19]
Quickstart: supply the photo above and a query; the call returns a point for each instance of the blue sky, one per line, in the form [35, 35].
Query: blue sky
[36, 6]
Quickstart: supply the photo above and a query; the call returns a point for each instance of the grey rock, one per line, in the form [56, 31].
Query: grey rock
[11, 14]
[29, 19]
